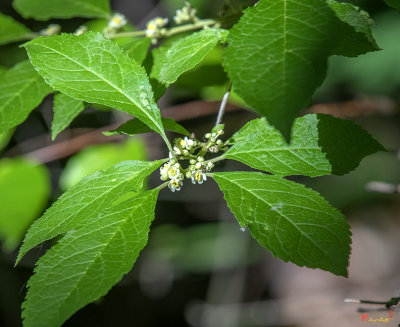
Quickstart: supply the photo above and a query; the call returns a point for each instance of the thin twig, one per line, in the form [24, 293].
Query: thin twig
[393, 301]
[170, 32]
[224, 101]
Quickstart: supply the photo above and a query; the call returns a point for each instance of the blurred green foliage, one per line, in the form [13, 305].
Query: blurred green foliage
[100, 157]
[372, 73]
[24, 192]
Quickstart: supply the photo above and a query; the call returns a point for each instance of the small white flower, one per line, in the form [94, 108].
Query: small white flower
[198, 177]
[189, 143]
[210, 165]
[185, 14]
[117, 21]
[164, 172]
[198, 165]
[52, 29]
[177, 151]
[175, 185]
[174, 171]
[81, 30]
[160, 22]
[151, 29]
[154, 27]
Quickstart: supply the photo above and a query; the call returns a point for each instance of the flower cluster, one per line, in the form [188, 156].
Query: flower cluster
[216, 145]
[184, 147]
[187, 13]
[198, 169]
[52, 29]
[155, 28]
[192, 150]
[172, 171]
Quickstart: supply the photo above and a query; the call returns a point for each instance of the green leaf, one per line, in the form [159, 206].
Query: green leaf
[293, 222]
[173, 60]
[135, 126]
[22, 90]
[100, 157]
[277, 56]
[320, 145]
[21, 182]
[5, 137]
[90, 197]
[11, 30]
[65, 111]
[356, 30]
[94, 69]
[88, 261]
[137, 49]
[46, 9]
[394, 4]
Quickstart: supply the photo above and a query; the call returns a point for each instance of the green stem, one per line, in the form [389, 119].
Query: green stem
[127, 34]
[169, 146]
[161, 186]
[172, 31]
[216, 159]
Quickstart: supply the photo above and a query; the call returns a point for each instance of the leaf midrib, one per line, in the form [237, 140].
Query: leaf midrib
[49, 232]
[107, 82]
[97, 255]
[281, 214]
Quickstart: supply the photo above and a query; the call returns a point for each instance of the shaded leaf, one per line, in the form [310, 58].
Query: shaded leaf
[88, 261]
[184, 54]
[5, 138]
[23, 89]
[320, 145]
[11, 30]
[21, 182]
[94, 69]
[65, 109]
[137, 49]
[135, 126]
[46, 9]
[277, 56]
[90, 197]
[356, 30]
[293, 222]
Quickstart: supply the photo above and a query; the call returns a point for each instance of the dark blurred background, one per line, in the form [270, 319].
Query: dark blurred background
[199, 268]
